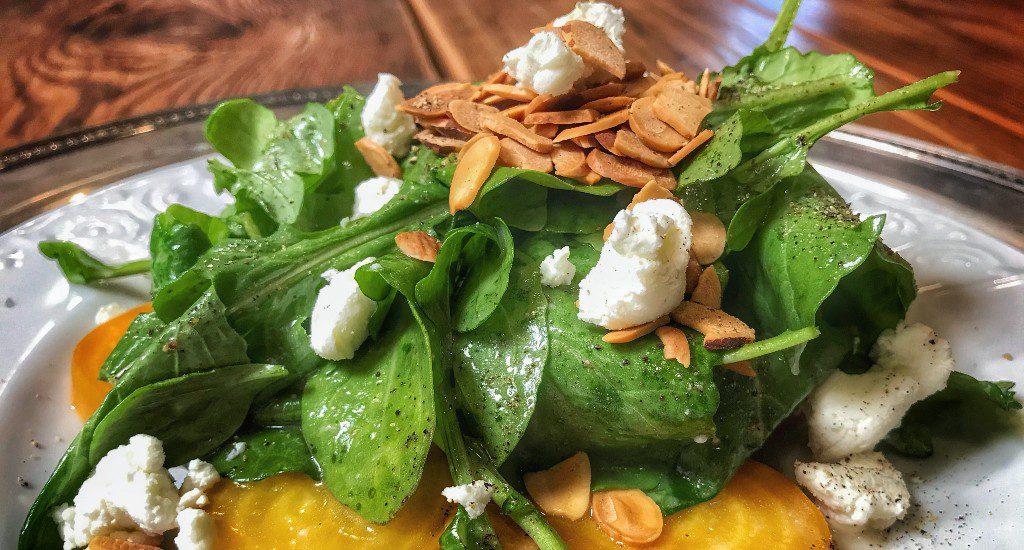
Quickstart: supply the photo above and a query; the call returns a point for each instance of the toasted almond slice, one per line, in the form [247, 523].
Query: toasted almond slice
[622, 336]
[545, 130]
[606, 139]
[472, 171]
[663, 81]
[650, 191]
[591, 178]
[445, 127]
[608, 231]
[514, 129]
[680, 109]
[578, 116]
[639, 86]
[693, 271]
[498, 101]
[439, 144]
[609, 104]
[517, 155]
[746, 368]
[664, 68]
[714, 87]
[562, 490]
[497, 77]
[709, 289]
[515, 112]
[627, 515]
[540, 103]
[109, 543]
[470, 142]
[708, 237]
[627, 171]
[418, 245]
[608, 121]
[651, 130]
[510, 92]
[634, 69]
[627, 144]
[720, 330]
[593, 45]
[380, 161]
[705, 79]
[468, 114]
[570, 161]
[600, 92]
[676, 345]
[691, 146]
[434, 100]
[587, 142]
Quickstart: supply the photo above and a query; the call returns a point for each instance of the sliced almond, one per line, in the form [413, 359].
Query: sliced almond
[650, 191]
[622, 336]
[515, 112]
[691, 146]
[542, 102]
[418, 245]
[627, 144]
[606, 139]
[470, 142]
[472, 171]
[497, 77]
[604, 123]
[498, 101]
[627, 171]
[586, 142]
[609, 104]
[569, 159]
[434, 100]
[593, 45]
[708, 237]
[627, 515]
[110, 543]
[578, 116]
[439, 144]
[651, 130]
[545, 130]
[634, 69]
[702, 89]
[746, 368]
[709, 289]
[713, 88]
[517, 155]
[663, 81]
[680, 109]
[591, 178]
[446, 127]
[600, 92]
[514, 129]
[676, 345]
[508, 91]
[564, 489]
[379, 159]
[664, 68]
[639, 86]
[720, 330]
[469, 114]
[693, 271]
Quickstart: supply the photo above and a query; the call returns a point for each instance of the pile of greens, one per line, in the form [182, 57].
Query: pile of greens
[472, 353]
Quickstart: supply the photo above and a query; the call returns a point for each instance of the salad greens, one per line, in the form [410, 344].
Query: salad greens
[472, 353]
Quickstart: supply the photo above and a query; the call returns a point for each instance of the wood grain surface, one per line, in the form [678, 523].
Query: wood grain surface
[65, 65]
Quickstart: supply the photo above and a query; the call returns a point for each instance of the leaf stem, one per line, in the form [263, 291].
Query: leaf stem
[788, 94]
[783, 341]
[783, 24]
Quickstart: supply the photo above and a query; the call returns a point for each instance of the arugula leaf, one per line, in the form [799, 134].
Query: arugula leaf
[180, 237]
[967, 408]
[80, 267]
[268, 452]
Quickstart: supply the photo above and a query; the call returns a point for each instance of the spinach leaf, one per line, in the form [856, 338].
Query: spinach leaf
[967, 408]
[180, 237]
[241, 130]
[80, 267]
[281, 411]
[581, 213]
[464, 533]
[268, 452]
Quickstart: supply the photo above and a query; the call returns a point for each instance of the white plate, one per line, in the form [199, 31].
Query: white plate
[972, 292]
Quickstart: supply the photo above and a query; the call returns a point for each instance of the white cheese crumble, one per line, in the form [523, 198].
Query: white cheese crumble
[129, 491]
[641, 274]
[236, 450]
[556, 269]
[195, 530]
[341, 315]
[851, 413]
[607, 17]
[371, 195]
[863, 490]
[382, 122]
[473, 496]
[545, 65]
[108, 312]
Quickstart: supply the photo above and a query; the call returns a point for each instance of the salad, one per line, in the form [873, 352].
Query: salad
[560, 307]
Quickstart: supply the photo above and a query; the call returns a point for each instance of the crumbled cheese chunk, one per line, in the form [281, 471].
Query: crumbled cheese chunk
[473, 496]
[341, 315]
[236, 450]
[556, 269]
[129, 491]
[108, 312]
[201, 475]
[195, 530]
[371, 195]
[863, 490]
[607, 17]
[545, 65]
[851, 413]
[641, 274]
[382, 122]
[193, 498]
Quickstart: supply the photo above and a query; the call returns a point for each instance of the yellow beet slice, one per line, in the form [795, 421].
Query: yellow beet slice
[87, 390]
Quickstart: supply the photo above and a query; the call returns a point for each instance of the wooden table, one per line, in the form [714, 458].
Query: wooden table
[69, 64]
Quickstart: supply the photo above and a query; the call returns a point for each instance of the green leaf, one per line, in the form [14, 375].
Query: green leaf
[80, 267]
[572, 212]
[268, 452]
[180, 237]
[241, 130]
[464, 533]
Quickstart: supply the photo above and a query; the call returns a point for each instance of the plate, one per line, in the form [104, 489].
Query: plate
[956, 219]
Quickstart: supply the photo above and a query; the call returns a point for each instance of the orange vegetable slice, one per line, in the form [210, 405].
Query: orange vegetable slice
[87, 390]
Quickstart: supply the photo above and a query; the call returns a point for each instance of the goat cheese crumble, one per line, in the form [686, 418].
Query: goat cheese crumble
[236, 450]
[863, 490]
[851, 413]
[195, 530]
[382, 122]
[341, 315]
[371, 195]
[473, 496]
[556, 269]
[641, 274]
[545, 65]
[603, 15]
